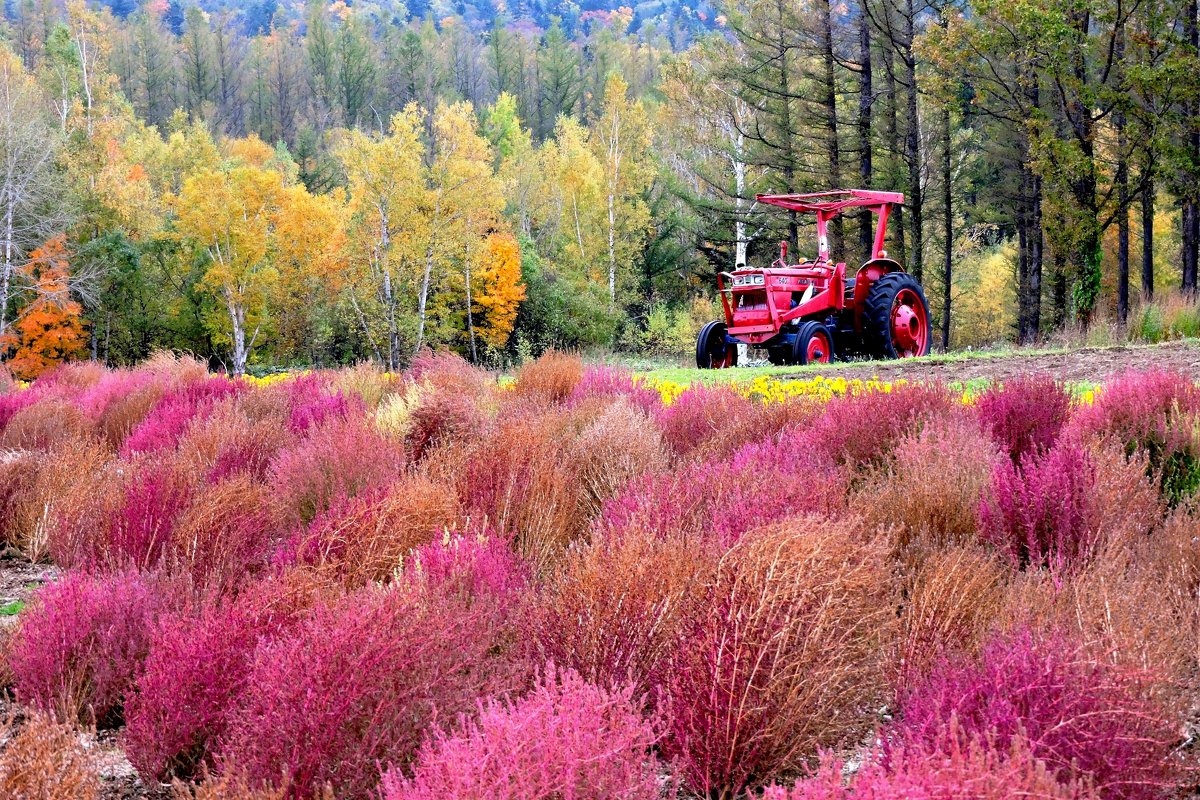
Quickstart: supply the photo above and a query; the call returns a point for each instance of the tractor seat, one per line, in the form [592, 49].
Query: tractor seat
[849, 288]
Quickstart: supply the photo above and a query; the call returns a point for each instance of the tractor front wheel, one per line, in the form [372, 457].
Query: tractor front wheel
[814, 344]
[896, 318]
[712, 351]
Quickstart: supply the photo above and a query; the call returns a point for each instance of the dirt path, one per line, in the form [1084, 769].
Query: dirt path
[1093, 365]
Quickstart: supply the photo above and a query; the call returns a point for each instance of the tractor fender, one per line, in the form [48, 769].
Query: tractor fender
[867, 274]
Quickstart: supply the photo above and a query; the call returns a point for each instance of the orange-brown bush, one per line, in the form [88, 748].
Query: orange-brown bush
[931, 486]
[224, 536]
[950, 603]
[514, 483]
[48, 424]
[41, 759]
[18, 475]
[754, 423]
[620, 443]
[616, 609]
[174, 368]
[229, 441]
[549, 379]
[365, 539]
[787, 657]
[71, 498]
[126, 412]
[231, 786]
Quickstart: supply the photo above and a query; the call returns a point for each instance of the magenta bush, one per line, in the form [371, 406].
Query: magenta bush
[172, 414]
[720, 500]
[1039, 513]
[311, 403]
[141, 526]
[610, 382]
[862, 430]
[113, 385]
[81, 642]
[337, 460]
[1086, 719]
[1024, 415]
[356, 685]
[196, 674]
[963, 770]
[475, 566]
[565, 739]
[698, 414]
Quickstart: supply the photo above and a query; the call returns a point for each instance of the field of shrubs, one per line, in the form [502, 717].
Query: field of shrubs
[441, 586]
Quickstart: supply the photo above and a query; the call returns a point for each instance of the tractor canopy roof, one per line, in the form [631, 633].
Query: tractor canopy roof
[831, 203]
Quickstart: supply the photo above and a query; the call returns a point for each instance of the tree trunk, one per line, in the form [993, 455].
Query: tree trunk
[1191, 214]
[1147, 233]
[947, 226]
[912, 144]
[471, 316]
[1122, 181]
[829, 104]
[866, 233]
[6, 269]
[891, 133]
[237, 318]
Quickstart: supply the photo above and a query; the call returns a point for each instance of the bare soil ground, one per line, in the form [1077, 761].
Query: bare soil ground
[1091, 365]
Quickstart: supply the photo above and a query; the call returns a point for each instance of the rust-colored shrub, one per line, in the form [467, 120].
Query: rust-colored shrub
[618, 445]
[230, 442]
[365, 538]
[49, 424]
[931, 487]
[126, 412]
[41, 759]
[950, 603]
[447, 370]
[550, 379]
[785, 659]
[225, 535]
[232, 786]
[174, 368]
[515, 484]
[756, 423]
[18, 477]
[72, 500]
[444, 416]
[616, 609]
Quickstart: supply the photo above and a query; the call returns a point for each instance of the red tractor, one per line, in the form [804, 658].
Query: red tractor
[807, 312]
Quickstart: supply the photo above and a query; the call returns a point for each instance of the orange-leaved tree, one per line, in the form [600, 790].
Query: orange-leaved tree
[49, 329]
[497, 291]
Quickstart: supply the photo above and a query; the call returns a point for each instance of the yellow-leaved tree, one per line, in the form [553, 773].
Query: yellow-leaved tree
[387, 189]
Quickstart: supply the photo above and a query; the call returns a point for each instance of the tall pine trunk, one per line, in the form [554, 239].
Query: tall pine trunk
[1191, 214]
[829, 105]
[866, 233]
[912, 144]
[947, 226]
[1147, 231]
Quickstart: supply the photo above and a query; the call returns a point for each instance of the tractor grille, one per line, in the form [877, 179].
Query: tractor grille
[751, 301]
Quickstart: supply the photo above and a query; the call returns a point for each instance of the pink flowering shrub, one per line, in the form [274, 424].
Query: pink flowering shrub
[337, 460]
[862, 430]
[470, 567]
[172, 414]
[698, 414]
[81, 643]
[1038, 513]
[1156, 413]
[610, 382]
[141, 526]
[564, 739]
[1024, 415]
[196, 674]
[356, 684]
[1084, 718]
[720, 500]
[311, 403]
[973, 768]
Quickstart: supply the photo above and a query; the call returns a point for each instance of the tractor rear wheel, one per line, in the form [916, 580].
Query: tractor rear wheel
[712, 351]
[896, 318]
[814, 344]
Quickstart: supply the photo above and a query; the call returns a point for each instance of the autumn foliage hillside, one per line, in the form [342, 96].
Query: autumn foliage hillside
[433, 584]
